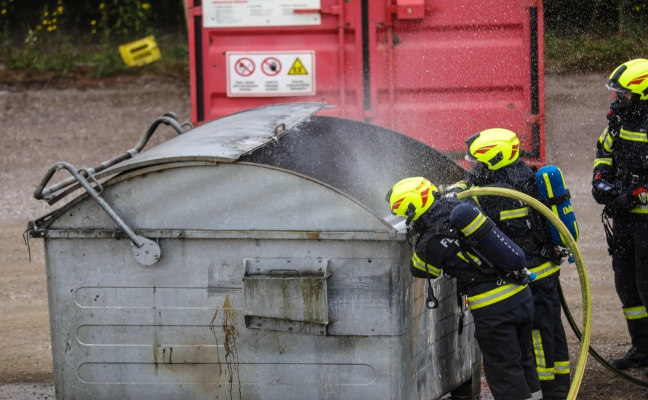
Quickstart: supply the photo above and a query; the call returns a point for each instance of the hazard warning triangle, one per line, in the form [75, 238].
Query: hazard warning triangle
[297, 68]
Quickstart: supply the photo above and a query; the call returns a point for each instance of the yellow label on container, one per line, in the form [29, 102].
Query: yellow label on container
[140, 52]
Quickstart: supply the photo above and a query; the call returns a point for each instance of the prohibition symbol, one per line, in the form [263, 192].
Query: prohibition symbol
[244, 67]
[271, 66]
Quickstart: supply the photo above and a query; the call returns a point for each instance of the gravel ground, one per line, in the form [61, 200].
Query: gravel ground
[85, 123]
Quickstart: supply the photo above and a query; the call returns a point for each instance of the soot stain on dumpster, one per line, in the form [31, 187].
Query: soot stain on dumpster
[231, 334]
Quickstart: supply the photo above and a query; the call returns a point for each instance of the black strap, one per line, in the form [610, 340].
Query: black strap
[552, 201]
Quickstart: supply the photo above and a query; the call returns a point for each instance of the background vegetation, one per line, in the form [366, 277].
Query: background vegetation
[59, 38]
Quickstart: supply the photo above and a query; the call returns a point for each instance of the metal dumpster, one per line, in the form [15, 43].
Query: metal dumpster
[253, 257]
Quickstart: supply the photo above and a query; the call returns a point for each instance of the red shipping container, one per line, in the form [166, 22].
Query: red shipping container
[436, 70]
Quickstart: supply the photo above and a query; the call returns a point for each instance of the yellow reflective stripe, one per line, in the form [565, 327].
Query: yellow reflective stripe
[640, 209]
[606, 141]
[546, 374]
[635, 312]
[548, 185]
[544, 270]
[561, 368]
[494, 296]
[538, 350]
[474, 257]
[602, 161]
[474, 225]
[420, 264]
[633, 136]
[515, 213]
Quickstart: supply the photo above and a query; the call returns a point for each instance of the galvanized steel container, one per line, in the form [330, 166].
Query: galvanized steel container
[262, 264]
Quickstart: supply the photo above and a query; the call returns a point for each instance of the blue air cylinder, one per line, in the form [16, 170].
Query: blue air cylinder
[555, 195]
[486, 239]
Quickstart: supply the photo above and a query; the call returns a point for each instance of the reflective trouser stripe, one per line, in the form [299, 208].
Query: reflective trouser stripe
[536, 395]
[420, 264]
[561, 367]
[635, 312]
[544, 373]
[494, 296]
[544, 270]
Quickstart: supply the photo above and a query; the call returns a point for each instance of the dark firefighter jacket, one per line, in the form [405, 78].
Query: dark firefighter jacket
[517, 220]
[438, 252]
[622, 158]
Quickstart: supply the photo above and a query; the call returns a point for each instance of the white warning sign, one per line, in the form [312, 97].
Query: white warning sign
[238, 13]
[277, 74]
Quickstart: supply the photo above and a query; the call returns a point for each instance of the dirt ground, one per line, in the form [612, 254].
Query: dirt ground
[85, 123]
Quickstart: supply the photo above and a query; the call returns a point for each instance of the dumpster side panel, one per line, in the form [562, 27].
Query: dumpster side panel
[177, 330]
[123, 330]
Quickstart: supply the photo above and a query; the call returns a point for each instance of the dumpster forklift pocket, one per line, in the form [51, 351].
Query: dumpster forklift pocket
[288, 295]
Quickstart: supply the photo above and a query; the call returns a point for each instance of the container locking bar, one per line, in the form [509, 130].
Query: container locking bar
[146, 251]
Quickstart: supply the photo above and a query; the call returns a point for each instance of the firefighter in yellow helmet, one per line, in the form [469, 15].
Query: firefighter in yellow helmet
[620, 182]
[494, 155]
[498, 296]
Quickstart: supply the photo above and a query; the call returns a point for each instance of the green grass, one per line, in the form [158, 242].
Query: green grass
[585, 54]
[63, 57]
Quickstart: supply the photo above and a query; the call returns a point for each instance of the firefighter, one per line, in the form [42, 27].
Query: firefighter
[620, 181]
[494, 161]
[502, 311]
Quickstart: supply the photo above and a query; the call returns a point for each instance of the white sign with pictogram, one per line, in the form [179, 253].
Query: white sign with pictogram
[277, 74]
[240, 13]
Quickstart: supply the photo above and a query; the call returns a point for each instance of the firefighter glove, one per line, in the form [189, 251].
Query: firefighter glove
[640, 195]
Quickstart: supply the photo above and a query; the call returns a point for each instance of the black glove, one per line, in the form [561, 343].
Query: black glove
[630, 198]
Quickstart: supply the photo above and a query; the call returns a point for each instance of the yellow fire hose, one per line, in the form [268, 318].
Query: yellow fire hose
[582, 273]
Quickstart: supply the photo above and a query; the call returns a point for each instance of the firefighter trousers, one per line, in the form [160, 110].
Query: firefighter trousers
[505, 343]
[549, 339]
[630, 265]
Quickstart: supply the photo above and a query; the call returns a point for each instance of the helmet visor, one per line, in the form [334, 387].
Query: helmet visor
[620, 98]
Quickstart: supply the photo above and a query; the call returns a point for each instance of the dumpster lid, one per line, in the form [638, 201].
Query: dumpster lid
[225, 139]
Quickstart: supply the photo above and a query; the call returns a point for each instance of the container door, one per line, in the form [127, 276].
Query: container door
[443, 70]
[249, 53]
[435, 70]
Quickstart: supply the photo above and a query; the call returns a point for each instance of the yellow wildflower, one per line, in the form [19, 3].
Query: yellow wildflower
[60, 10]
[101, 6]
[146, 6]
[39, 27]
[93, 22]
[94, 31]
[3, 12]
[45, 14]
